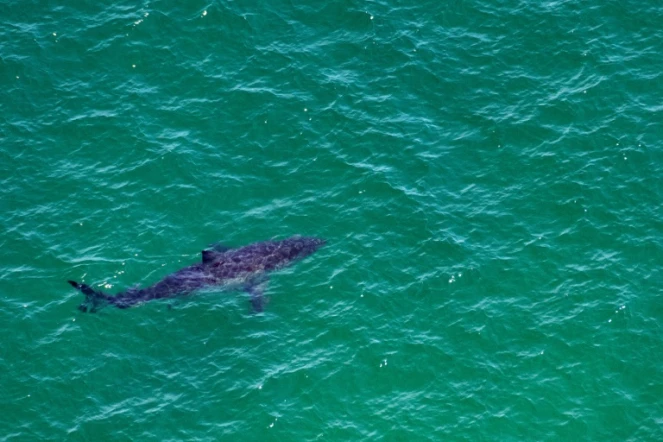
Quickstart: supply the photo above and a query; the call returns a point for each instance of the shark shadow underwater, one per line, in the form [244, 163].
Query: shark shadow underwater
[245, 268]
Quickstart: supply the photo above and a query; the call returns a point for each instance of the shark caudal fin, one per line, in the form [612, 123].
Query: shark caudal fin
[94, 299]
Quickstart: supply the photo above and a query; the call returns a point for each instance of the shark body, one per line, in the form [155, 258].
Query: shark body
[232, 268]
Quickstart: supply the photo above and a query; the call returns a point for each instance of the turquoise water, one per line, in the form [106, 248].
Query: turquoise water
[487, 176]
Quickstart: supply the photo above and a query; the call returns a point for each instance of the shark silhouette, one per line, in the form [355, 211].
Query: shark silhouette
[232, 268]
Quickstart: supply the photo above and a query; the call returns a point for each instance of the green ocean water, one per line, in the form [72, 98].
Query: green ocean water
[487, 176]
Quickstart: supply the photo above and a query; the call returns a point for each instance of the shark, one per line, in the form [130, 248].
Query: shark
[244, 268]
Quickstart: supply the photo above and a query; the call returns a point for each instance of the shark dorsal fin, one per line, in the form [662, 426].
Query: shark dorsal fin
[210, 256]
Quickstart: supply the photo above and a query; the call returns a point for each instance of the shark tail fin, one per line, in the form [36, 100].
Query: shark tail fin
[94, 299]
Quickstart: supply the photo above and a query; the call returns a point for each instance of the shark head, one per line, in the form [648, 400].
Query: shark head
[301, 247]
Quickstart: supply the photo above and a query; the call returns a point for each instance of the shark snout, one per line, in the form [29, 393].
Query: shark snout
[318, 242]
[312, 244]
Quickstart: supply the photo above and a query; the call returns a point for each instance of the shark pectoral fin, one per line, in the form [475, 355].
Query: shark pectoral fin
[257, 299]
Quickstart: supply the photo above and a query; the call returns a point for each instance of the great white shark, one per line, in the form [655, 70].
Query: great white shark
[245, 268]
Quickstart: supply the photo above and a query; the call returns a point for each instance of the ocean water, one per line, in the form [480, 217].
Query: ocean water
[487, 176]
